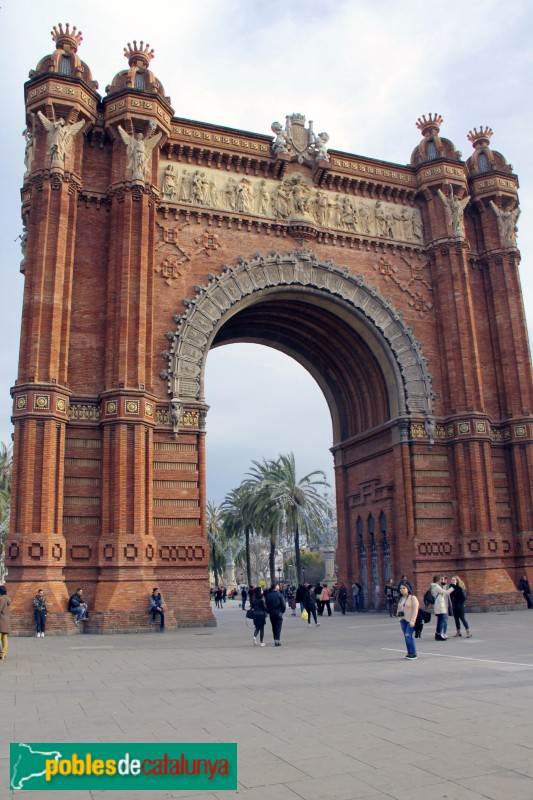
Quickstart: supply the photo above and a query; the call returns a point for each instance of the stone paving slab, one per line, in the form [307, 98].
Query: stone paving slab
[336, 713]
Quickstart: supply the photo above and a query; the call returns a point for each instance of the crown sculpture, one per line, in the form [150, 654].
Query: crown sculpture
[136, 53]
[72, 39]
[480, 137]
[430, 124]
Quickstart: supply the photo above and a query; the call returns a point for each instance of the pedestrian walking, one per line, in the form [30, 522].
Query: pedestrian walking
[218, 598]
[300, 596]
[319, 603]
[343, 598]
[275, 603]
[440, 594]
[310, 606]
[391, 595]
[458, 600]
[260, 612]
[523, 586]
[39, 613]
[356, 595]
[5, 621]
[407, 613]
[325, 597]
[244, 595]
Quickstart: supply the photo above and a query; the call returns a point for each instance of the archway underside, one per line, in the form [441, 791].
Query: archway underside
[343, 365]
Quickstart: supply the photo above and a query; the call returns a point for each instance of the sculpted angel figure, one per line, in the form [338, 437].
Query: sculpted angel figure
[59, 138]
[507, 220]
[139, 149]
[454, 209]
[29, 149]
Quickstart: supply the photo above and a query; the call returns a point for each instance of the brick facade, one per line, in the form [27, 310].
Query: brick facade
[396, 286]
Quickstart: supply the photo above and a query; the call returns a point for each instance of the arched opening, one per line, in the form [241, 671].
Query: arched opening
[262, 403]
[364, 359]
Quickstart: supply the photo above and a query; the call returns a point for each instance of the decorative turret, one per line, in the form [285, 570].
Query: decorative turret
[65, 61]
[138, 77]
[483, 159]
[433, 146]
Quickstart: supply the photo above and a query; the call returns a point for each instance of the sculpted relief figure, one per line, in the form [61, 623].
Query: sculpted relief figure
[230, 193]
[139, 149]
[168, 189]
[295, 195]
[245, 196]
[59, 138]
[281, 201]
[454, 209]
[507, 220]
[185, 185]
[263, 198]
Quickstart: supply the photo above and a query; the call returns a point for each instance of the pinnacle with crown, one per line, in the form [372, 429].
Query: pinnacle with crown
[480, 137]
[65, 36]
[140, 52]
[429, 124]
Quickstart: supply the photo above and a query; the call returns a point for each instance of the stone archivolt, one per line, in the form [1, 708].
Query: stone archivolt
[294, 198]
[196, 328]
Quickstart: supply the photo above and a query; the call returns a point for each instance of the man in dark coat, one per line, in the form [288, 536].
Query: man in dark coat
[275, 603]
[523, 586]
[78, 606]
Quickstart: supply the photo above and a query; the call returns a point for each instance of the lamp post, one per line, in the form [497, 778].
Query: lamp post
[279, 574]
[303, 574]
[290, 573]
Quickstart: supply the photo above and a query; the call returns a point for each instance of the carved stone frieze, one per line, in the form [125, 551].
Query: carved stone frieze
[294, 198]
[196, 327]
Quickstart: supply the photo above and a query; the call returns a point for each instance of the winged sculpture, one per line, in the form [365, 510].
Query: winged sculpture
[59, 136]
[139, 149]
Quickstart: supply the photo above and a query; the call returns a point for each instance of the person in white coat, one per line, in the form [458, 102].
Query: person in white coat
[440, 593]
[407, 611]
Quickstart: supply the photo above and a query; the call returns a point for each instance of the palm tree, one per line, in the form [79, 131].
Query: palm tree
[214, 526]
[298, 502]
[237, 520]
[266, 512]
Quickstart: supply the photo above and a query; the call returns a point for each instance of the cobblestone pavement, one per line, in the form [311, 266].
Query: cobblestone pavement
[335, 713]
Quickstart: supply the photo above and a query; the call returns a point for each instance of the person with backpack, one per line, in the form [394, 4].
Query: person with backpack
[440, 604]
[458, 600]
[343, 598]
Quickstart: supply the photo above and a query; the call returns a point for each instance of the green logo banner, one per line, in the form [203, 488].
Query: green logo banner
[67, 766]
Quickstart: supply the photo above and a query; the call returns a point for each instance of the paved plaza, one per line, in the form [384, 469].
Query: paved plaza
[335, 713]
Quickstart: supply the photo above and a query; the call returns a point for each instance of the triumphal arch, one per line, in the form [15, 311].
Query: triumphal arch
[149, 239]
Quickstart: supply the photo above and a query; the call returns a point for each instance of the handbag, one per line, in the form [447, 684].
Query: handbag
[250, 614]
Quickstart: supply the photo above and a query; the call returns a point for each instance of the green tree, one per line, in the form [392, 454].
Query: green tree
[300, 506]
[267, 514]
[237, 520]
[214, 528]
[6, 461]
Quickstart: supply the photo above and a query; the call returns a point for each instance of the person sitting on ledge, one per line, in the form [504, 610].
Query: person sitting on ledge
[76, 605]
[156, 607]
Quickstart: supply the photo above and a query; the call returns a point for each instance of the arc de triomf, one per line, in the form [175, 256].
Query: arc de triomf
[150, 239]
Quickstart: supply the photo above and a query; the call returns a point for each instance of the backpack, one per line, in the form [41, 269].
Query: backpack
[429, 600]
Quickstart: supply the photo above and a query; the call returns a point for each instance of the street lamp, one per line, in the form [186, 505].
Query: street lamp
[290, 573]
[279, 574]
[303, 574]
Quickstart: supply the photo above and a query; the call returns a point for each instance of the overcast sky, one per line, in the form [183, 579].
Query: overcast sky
[363, 71]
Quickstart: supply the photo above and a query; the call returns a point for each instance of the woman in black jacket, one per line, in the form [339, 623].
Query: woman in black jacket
[260, 614]
[310, 606]
[458, 600]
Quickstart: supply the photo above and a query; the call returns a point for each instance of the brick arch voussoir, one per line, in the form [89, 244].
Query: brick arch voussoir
[195, 330]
